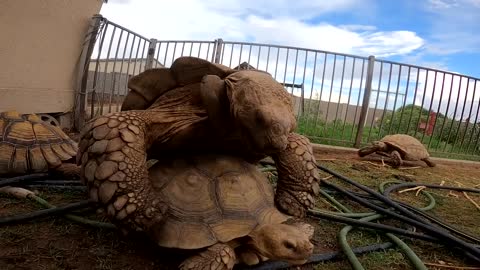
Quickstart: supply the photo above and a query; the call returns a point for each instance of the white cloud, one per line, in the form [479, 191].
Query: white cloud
[454, 26]
[277, 22]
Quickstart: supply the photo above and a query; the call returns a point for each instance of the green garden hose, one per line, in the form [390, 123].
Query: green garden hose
[22, 193]
[342, 236]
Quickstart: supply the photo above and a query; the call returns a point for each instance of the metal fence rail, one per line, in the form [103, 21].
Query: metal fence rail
[338, 98]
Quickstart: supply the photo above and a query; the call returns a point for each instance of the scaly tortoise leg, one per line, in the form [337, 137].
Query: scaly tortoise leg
[216, 257]
[429, 162]
[298, 178]
[396, 159]
[113, 166]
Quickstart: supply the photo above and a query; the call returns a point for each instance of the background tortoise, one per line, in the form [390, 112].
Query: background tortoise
[221, 203]
[30, 145]
[399, 147]
[197, 106]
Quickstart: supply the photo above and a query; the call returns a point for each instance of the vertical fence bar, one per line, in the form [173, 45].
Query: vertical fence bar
[150, 54]
[217, 50]
[358, 100]
[82, 76]
[366, 101]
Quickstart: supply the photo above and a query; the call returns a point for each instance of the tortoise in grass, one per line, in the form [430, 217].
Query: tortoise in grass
[196, 106]
[399, 147]
[30, 145]
[220, 207]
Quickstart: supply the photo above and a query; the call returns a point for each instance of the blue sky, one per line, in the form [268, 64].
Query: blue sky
[442, 34]
[446, 31]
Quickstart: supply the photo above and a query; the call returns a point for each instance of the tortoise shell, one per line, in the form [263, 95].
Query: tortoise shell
[30, 145]
[147, 86]
[409, 147]
[210, 199]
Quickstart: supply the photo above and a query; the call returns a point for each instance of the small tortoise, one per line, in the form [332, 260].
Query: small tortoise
[30, 145]
[196, 106]
[221, 206]
[399, 147]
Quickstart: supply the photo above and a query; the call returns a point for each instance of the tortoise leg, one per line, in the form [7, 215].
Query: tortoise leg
[113, 166]
[367, 150]
[298, 178]
[216, 257]
[429, 162]
[396, 159]
[249, 256]
[67, 170]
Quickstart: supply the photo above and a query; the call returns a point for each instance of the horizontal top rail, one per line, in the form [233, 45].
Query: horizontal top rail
[123, 28]
[185, 41]
[427, 68]
[294, 48]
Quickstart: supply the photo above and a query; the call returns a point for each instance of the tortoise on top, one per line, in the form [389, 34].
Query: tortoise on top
[30, 145]
[219, 205]
[198, 107]
[399, 147]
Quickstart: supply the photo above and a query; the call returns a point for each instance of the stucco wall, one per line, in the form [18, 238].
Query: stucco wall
[41, 44]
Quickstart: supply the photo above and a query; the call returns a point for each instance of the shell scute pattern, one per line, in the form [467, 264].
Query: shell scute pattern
[29, 145]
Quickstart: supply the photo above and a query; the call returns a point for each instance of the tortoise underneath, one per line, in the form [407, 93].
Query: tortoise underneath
[221, 205]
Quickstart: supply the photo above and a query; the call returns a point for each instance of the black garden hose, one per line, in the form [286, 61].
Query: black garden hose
[438, 232]
[23, 178]
[59, 210]
[421, 212]
[58, 187]
[22, 193]
[316, 258]
[388, 190]
[407, 216]
[372, 225]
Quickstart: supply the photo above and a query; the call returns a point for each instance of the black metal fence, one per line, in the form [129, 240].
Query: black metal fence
[339, 99]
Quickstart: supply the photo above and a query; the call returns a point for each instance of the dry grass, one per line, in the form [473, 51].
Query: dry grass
[56, 243]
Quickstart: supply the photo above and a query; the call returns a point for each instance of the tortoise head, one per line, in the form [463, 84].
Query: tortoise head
[262, 109]
[288, 243]
[373, 147]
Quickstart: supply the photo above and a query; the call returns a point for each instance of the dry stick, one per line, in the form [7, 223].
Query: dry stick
[468, 197]
[452, 194]
[327, 177]
[419, 188]
[371, 163]
[453, 267]
[471, 200]
[410, 168]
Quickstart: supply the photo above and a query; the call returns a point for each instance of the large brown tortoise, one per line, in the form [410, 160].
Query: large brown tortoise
[222, 207]
[196, 106]
[30, 145]
[399, 147]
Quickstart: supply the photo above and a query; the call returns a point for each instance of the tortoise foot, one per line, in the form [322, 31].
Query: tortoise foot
[294, 203]
[298, 178]
[113, 166]
[216, 257]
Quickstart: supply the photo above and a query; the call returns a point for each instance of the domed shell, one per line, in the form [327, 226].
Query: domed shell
[211, 199]
[30, 145]
[411, 147]
[147, 86]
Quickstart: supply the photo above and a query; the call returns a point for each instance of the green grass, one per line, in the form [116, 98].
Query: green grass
[338, 133]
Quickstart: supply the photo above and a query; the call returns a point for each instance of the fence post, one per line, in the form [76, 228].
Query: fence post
[82, 69]
[150, 53]
[218, 50]
[366, 101]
